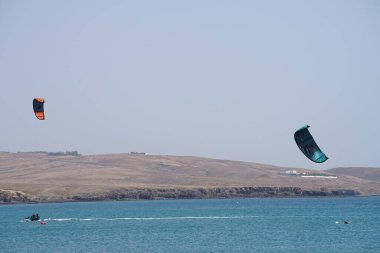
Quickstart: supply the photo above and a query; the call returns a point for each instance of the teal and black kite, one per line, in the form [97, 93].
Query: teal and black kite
[308, 146]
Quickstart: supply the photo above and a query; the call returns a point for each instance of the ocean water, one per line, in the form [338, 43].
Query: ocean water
[217, 225]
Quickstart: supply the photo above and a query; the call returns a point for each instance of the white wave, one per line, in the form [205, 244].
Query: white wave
[60, 219]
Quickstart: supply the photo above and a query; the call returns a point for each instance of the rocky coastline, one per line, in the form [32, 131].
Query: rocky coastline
[14, 197]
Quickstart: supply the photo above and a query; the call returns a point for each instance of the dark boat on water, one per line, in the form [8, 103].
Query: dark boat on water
[34, 217]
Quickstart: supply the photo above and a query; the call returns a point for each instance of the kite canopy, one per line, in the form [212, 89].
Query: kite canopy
[38, 107]
[308, 146]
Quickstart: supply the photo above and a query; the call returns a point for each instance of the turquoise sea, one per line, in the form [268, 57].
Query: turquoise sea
[216, 225]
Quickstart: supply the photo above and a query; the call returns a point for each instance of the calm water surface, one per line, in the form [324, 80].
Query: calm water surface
[229, 225]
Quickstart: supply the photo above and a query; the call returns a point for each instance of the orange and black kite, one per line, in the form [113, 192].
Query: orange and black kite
[38, 107]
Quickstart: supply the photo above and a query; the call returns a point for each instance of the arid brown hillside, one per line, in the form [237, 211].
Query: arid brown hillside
[372, 174]
[43, 177]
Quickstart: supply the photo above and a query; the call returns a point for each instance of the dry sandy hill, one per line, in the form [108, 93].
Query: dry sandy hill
[371, 174]
[45, 177]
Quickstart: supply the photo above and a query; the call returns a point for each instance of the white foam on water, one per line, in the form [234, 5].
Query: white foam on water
[179, 218]
[151, 218]
[61, 219]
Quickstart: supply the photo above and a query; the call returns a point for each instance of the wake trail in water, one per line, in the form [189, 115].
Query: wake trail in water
[175, 218]
[149, 218]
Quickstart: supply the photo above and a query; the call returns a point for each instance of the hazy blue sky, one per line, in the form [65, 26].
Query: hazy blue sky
[221, 79]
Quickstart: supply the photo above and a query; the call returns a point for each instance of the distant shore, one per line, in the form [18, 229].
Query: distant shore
[42, 177]
[16, 197]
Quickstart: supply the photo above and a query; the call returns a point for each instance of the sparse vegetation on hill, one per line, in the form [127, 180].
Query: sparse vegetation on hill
[59, 153]
[72, 153]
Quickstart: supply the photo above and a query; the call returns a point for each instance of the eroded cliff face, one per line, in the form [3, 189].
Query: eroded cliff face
[201, 193]
[8, 197]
